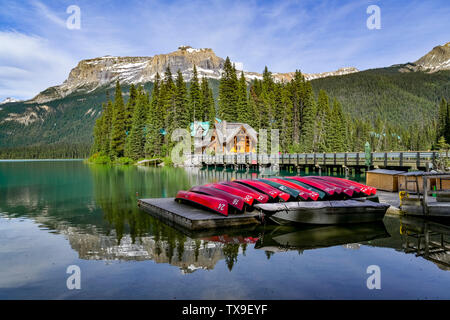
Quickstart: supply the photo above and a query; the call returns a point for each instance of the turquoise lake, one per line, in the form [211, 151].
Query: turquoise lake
[56, 214]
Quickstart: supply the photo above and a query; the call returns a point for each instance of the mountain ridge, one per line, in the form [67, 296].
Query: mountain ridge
[90, 74]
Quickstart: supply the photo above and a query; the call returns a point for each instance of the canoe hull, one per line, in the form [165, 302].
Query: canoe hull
[325, 212]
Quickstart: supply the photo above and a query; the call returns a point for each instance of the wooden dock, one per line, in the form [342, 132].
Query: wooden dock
[419, 201]
[323, 161]
[187, 217]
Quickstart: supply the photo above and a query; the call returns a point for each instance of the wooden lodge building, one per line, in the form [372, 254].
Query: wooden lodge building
[225, 137]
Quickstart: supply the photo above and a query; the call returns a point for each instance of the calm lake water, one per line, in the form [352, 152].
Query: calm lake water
[54, 214]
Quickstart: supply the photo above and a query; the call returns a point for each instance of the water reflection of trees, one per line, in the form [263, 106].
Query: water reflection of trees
[116, 190]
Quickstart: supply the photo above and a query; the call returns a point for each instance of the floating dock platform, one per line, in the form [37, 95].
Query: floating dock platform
[191, 218]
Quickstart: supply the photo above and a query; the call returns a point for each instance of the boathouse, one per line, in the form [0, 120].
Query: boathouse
[225, 137]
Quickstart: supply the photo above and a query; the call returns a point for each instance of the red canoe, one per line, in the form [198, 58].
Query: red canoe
[248, 198]
[309, 194]
[232, 200]
[364, 188]
[212, 203]
[318, 185]
[257, 196]
[348, 190]
[273, 192]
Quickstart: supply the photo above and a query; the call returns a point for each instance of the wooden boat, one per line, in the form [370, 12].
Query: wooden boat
[324, 212]
[262, 187]
[258, 196]
[304, 192]
[232, 200]
[246, 196]
[208, 202]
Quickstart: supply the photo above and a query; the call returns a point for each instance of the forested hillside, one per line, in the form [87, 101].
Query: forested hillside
[399, 98]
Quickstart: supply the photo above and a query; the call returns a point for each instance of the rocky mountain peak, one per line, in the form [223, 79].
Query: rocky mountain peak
[93, 73]
[435, 60]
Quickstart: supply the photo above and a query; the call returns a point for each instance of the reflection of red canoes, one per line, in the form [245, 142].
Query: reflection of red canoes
[212, 203]
[310, 194]
[247, 197]
[232, 200]
[257, 196]
[232, 239]
[262, 187]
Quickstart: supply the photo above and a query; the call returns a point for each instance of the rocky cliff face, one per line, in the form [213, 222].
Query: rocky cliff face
[435, 60]
[93, 73]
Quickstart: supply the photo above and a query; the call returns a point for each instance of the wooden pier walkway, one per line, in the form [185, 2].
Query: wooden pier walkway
[416, 160]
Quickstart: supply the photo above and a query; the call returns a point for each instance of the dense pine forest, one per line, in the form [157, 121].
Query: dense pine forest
[309, 120]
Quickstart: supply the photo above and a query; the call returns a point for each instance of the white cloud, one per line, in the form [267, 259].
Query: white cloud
[29, 64]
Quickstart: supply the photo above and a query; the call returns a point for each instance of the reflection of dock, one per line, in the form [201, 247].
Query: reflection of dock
[427, 239]
[185, 216]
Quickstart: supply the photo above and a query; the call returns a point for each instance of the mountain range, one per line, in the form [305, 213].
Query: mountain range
[66, 113]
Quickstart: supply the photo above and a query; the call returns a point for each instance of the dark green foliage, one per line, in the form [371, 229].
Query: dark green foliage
[118, 133]
[155, 122]
[228, 89]
[207, 102]
[196, 107]
[135, 140]
[129, 108]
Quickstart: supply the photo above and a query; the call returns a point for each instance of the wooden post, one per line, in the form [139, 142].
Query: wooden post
[345, 159]
[401, 159]
[335, 158]
[418, 160]
[385, 159]
[425, 195]
[357, 158]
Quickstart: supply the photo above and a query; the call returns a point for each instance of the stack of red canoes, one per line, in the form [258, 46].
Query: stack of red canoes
[240, 195]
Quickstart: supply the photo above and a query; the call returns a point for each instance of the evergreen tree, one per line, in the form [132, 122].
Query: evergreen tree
[106, 128]
[208, 103]
[129, 108]
[136, 138]
[244, 113]
[196, 108]
[118, 133]
[309, 128]
[287, 125]
[322, 123]
[167, 96]
[155, 122]
[337, 129]
[96, 147]
[228, 88]
[181, 116]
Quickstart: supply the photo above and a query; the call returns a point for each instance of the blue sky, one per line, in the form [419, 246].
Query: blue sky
[37, 50]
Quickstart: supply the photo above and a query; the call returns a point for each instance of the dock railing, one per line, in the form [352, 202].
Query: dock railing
[412, 159]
